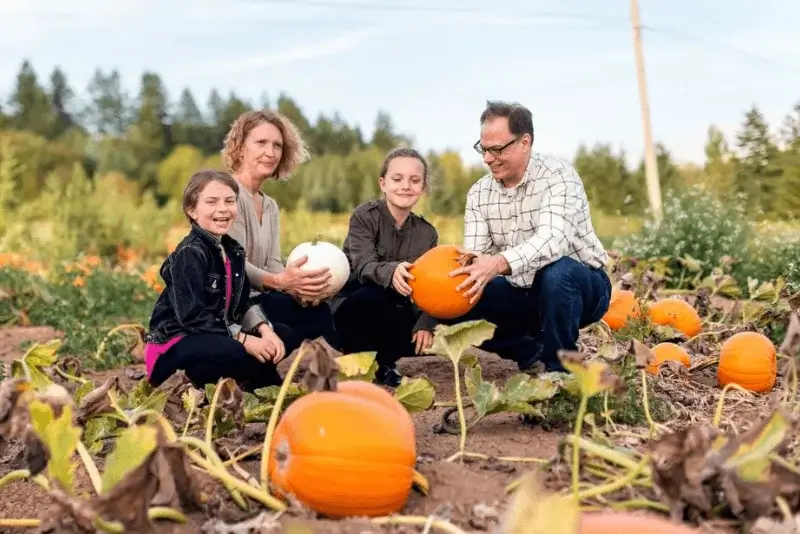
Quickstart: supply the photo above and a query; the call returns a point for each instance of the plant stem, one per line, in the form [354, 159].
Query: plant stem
[91, 468]
[429, 522]
[273, 418]
[99, 353]
[462, 420]
[166, 513]
[211, 411]
[480, 456]
[19, 474]
[721, 401]
[214, 458]
[576, 452]
[20, 523]
[646, 404]
[616, 485]
[610, 455]
[253, 492]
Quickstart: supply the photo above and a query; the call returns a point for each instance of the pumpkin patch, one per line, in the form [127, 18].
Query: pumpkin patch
[668, 351]
[433, 290]
[621, 308]
[345, 453]
[676, 313]
[748, 359]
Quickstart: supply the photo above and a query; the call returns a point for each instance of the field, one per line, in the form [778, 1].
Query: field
[645, 441]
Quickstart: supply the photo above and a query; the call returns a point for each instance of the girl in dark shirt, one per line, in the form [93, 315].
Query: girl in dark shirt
[374, 312]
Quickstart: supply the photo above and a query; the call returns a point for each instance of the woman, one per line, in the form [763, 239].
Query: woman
[374, 312]
[204, 320]
[263, 145]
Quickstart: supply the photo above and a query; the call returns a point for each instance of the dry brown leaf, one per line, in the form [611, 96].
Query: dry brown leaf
[97, 401]
[641, 353]
[323, 369]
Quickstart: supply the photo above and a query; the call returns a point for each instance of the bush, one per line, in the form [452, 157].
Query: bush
[694, 223]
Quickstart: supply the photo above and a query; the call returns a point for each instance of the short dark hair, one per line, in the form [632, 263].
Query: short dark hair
[199, 181]
[520, 118]
[405, 152]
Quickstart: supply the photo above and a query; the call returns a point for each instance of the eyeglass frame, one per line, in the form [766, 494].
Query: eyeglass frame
[495, 151]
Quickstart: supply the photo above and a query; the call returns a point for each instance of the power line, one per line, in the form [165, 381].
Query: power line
[368, 5]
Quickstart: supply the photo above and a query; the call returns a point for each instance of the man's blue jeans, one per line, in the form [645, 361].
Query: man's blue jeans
[534, 323]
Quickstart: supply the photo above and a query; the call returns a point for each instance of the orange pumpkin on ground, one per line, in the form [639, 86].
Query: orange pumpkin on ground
[676, 313]
[622, 306]
[345, 453]
[750, 360]
[432, 288]
[668, 351]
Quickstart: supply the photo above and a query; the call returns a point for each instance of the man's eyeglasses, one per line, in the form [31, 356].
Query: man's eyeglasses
[493, 150]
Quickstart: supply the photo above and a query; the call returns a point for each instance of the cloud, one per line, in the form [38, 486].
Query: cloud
[331, 47]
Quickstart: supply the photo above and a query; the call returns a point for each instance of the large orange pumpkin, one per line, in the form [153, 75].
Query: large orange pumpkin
[668, 351]
[676, 313]
[622, 306]
[748, 359]
[432, 288]
[345, 453]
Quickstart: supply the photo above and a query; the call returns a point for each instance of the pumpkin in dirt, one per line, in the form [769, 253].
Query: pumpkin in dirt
[432, 289]
[622, 306]
[668, 351]
[322, 254]
[345, 453]
[676, 313]
[748, 359]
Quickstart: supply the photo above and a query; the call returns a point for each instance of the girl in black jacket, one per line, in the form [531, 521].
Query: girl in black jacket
[204, 321]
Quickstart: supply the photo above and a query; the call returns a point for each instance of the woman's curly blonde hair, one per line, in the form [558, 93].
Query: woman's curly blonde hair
[294, 149]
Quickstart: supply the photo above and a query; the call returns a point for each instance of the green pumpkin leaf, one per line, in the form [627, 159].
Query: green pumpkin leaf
[416, 394]
[60, 437]
[133, 447]
[358, 366]
[450, 341]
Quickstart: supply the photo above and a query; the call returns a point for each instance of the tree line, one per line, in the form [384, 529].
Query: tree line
[155, 141]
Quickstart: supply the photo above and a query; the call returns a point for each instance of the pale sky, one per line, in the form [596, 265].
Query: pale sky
[432, 65]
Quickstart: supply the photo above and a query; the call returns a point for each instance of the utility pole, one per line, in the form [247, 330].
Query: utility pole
[650, 163]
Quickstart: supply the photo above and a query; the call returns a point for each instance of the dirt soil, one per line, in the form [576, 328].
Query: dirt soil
[470, 494]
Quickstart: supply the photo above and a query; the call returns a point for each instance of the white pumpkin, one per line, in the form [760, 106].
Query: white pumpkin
[323, 254]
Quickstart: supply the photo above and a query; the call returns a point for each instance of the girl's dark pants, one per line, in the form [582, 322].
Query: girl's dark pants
[371, 318]
[206, 358]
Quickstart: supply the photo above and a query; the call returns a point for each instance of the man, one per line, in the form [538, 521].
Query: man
[539, 272]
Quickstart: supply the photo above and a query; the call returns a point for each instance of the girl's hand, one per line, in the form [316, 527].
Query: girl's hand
[258, 348]
[422, 340]
[400, 278]
[278, 349]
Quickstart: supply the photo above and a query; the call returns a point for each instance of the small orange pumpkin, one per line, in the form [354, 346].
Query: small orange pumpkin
[750, 360]
[676, 313]
[345, 453]
[622, 306]
[432, 288]
[668, 351]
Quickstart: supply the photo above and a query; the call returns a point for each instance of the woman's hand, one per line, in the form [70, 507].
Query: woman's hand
[422, 339]
[304, 284]
[400, 279]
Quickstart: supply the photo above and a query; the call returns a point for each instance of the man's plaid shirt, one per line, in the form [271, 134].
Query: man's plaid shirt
[546, 216]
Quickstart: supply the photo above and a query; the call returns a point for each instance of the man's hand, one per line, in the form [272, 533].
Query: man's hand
[479, 272]
[422, 339]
